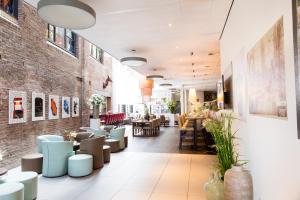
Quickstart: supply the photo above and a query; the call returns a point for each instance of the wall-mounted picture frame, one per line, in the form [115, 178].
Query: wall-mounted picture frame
[54, 108]
[65, 107]
[266, 60]
[75, 107]
[296, 38]
[17, 111]
[38, 106]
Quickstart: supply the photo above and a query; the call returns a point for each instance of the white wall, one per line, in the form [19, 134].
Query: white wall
[270, 145]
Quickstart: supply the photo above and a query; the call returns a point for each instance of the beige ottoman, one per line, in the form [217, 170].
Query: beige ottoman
[32, 162]
[114, 145]
[126, 141]
[106, 153]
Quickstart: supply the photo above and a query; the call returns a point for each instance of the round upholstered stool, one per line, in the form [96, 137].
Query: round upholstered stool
[12, 191]
[29, 180]
[106, 153]
[32, 162]
[126, 141]
[114, 145]
[80, 165]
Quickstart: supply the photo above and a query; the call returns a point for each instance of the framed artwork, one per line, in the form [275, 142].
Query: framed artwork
[17, 107]
[296, 31]
[53, 107]
[75, 106]
[266, 69]
[38, 106]
[239, 84]
[65, 107]
[220, 93]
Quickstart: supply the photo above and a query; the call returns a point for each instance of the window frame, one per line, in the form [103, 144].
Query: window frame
[99, 54]
[73, 39]
[15, 13]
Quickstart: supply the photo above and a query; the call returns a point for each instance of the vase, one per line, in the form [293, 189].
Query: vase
[96, 109]
[214, 188]
[238, 184]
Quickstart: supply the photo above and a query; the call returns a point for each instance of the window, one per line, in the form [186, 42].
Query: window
[97, 53]
[63, 38]
[10, 7]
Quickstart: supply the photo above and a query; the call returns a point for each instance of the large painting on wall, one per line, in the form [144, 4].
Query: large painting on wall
[75, 106]
[53, 107]
[266, 80]
[239, 82]
[296, 23]
[65, 107]
[17, 107]
[38, 106]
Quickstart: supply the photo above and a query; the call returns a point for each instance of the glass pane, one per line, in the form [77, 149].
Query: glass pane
[51, 33]
[59, 37]
[70, 45]
[9, 6]
[69, 33]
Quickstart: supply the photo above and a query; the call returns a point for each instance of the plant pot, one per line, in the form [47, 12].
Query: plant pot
[238, 184]
[214, 188]
[96, 109]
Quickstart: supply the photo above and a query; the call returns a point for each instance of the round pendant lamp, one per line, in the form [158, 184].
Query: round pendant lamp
[146, 91]
[155, 76]
[165, 85]
[147, 83]
[134, 61]
[70, 14]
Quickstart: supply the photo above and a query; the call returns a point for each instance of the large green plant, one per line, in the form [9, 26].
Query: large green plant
[221, 130]
[172, 106]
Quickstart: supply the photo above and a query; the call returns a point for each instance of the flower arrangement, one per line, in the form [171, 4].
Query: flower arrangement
[96, 100]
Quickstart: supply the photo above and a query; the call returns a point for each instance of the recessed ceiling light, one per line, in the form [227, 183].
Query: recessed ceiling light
[177, 47]
[155, 76]
[170, 25]
[71, 14]
[211, 54]
[207, 66]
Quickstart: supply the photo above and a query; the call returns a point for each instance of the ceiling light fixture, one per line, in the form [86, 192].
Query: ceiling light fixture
[165, 85]
[134, 61]
[71, 14]
[156, 76]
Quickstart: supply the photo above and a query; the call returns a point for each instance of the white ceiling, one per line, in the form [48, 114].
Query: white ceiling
[165, 32]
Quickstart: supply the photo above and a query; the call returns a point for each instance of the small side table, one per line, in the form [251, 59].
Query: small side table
[32, 162]
[126, 141]
[106, 153]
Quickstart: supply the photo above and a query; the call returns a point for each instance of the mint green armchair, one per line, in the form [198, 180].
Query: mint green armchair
[118, 134]
[47, 138]
[55, 157]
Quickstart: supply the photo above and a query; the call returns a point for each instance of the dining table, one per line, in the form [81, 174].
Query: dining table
[194, 119]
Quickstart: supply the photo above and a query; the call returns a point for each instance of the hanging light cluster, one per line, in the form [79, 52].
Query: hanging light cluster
[146, 87]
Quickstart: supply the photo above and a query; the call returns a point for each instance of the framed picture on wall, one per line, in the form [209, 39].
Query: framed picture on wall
[53, 107]
[75, 106]
[38, 106]
[17, 107]
[296, 34]
[65, 107]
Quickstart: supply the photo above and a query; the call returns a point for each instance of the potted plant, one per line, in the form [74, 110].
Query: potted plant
[96, 101]
[237, 180]
[171, 106]
[146, 113]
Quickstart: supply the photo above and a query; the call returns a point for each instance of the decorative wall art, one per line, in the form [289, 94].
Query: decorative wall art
[239, 82]
[220, 93]
[17, 107]
[266, 80]
[296, 24]
[75, 106]
[38, 106]
[53, 107]
[65, 107]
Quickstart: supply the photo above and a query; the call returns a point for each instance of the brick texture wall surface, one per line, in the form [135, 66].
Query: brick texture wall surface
[29, 63]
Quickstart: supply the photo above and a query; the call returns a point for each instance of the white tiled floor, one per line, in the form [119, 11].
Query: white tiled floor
[135, 176]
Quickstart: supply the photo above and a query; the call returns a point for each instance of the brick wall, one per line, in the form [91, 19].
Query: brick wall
[29, 63]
